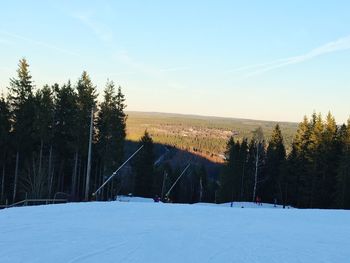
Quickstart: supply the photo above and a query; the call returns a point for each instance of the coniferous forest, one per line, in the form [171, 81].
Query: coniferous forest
[44, 145]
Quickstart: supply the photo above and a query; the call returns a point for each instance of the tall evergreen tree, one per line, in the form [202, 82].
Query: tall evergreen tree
[86, 101]
[144, 167]
[275, 159]
[259, 158]
[315, 158]
[330, 151]
[22, 107]
[227, 177]
[65, 141]
[111, 125]
[343, 170]
[35, 181]
[5, 128]
[300, 162]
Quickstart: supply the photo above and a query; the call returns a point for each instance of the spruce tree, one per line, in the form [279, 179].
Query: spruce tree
[343, 171]
[259, 158]
[330, 150]
[5, 146]
[315, 158]
[111, 125]
[301, 163]
[65, 141]
[275, 157]
[86, 101]
[22, 108]
[144, 167]
[227, 177]
[36, 183]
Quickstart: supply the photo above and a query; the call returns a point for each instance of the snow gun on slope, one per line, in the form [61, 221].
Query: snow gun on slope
[171, 188]
[116, 171]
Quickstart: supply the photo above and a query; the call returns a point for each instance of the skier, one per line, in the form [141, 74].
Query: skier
[156, 199]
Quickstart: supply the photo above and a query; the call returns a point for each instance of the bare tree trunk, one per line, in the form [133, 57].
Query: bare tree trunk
[79, 177]
[163, 186]
[83, 179]
[88, 168]
[103, 181]
[16, 178]
[95, 185]
[313, 186]
[242, 183]
[3, 183]
[256, 172]
[50, 174]
[40, 156]
[200, 189]
[74, 177]
[51, 181]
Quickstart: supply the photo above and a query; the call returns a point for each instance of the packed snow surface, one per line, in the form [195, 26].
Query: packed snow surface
[156, 232]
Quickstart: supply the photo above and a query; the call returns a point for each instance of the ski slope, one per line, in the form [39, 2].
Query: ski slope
[156, 232]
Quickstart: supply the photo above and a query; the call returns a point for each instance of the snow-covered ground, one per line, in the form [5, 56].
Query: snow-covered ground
[156, 232]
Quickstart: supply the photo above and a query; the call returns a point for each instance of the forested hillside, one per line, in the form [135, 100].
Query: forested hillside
[202, 135]
[59, 139]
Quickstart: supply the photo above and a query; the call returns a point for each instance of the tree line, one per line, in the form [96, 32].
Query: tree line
[44, 141]
[44, 136]
[314, 174]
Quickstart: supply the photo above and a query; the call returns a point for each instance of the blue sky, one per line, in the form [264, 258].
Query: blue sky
[272, 60]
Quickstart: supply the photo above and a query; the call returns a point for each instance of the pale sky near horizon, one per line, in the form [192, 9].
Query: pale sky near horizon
[270, 60]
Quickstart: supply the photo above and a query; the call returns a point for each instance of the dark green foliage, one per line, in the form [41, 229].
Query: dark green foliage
[275, 159]
[86, 100]
[44, 136]
[233, 177]
[111, 128]
[342, 199]
[144, 167]
[5, 148]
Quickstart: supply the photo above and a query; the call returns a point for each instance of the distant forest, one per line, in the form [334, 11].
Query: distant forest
[201, 135]
[44, 145]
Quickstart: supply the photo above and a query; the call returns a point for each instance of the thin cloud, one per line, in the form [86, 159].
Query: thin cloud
[340, 44]
[5, 41]
[155, 73]
[101, 31]
[174, 69]
[39, 43]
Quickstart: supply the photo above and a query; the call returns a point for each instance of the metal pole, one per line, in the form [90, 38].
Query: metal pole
[88, 170]
[163, 187]
[115, 172]
[171, 188]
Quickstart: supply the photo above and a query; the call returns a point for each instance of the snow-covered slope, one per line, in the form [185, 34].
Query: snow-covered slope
[156, 232]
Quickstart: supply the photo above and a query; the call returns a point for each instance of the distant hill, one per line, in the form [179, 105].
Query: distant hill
[203, 135]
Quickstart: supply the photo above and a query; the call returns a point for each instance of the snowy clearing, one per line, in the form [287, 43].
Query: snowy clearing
[156, 232]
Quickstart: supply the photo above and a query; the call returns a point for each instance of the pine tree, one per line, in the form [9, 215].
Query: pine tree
[242, 169]
[35, 182]
[343, 170]
[5, 127]
[22, 107]
[227, 180]
[330, 150]
[301, 163]
[65, 141]
[275, 158]
[86, 101]
[111, 125]
[259, 158]
[315, 158]
[144, 167]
